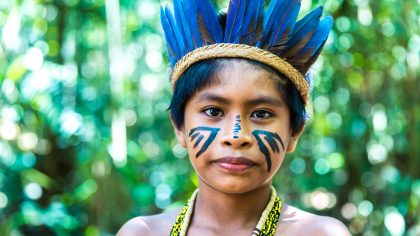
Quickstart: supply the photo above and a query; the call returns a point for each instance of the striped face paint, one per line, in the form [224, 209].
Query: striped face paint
[237, 126]
[197, 135]
[272, 139]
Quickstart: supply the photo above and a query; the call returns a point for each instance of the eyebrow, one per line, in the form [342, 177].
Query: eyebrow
[265, 100]
[206, 97]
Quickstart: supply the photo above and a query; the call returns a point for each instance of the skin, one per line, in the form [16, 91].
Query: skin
[231, 202]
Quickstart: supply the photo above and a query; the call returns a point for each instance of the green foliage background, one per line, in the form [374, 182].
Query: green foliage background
[86, 143]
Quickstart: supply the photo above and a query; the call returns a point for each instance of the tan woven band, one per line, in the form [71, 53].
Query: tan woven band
[227, 50]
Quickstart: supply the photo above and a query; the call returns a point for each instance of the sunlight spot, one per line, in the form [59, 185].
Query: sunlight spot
[33, 191]
[379, 121]
[9, 131]
[365, 208]
[394, 222]
[33, 59]
[322, 199]
[154, 60]
[349, 211]
[3, 200]
[376, 153]
[27, 141]
[150, 83]
[364, 15]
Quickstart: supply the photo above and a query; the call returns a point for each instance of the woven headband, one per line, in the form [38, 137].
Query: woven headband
[225, 50]
[195, 32]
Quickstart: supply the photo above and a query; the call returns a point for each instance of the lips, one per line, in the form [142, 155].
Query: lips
[235, 164]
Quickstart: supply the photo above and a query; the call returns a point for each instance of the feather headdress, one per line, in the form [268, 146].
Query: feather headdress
[193, 32]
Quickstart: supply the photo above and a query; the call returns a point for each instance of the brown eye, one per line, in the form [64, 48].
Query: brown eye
[213, 112]
[261, 114]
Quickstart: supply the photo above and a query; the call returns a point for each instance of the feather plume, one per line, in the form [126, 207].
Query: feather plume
[313, 16]
[284, 24]
[195, 23]
[269, 20]
[270, 11]
[208, 24]
[317, 41]
[186, 19]
[260, 23]
[234, 20]
[319, 37]
[302, 33]
[182, 24]
[173, 36]
[305, 67]
[191, 10]
[252, 25]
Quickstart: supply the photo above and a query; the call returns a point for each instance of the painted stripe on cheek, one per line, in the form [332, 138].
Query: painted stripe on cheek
[196, 132]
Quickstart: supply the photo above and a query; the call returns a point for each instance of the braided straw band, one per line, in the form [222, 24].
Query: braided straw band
[227, 50]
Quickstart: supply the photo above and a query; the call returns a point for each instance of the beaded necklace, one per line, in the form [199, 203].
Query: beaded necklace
[266, 226]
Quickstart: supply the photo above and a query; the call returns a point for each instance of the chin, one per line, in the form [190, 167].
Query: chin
[232, 184]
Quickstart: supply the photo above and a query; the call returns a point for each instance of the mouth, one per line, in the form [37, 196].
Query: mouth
[235, 164]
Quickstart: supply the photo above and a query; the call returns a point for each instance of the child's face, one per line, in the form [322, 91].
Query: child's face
[237, 130]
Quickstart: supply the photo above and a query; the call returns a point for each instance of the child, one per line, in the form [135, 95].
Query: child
[238, 107]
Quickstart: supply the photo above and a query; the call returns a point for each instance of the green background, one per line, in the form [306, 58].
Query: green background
[86, 142]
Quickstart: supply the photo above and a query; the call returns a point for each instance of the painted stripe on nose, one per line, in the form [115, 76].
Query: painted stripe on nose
[237, 127]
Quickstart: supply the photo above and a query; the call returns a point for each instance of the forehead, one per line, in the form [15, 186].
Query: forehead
[241, 70]
[242, 79]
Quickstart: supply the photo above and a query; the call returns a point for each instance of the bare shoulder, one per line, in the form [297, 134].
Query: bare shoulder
[324, 225]
[160, 224]
[134, 227]
[294, 221]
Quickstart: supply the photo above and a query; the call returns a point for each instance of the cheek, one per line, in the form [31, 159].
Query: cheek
[200, 139]
[278, 159]
[270, 144]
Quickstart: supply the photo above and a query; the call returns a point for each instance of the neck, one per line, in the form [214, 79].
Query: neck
[229, 211]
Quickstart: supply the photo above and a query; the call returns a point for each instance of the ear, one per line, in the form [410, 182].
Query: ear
[179, 133]
[295, 138]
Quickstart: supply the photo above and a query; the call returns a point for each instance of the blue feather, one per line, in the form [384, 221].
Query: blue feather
[274, 4]
[303, 68]
[253, 22]
[285, 23]
[302, 32]
[210, 21]
[196, 24]
[168, 35]
[178, 35]
[172, 35]
[319, 37]
[260, 22]
[234, 20]
[308, 54]
[182, 24]
[191, 10]
[307, 23]
[248, 24]
[270, 18]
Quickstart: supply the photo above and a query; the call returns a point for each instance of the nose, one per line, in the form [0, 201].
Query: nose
[237, 134]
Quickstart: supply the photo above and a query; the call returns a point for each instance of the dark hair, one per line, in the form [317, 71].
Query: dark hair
[200, 75]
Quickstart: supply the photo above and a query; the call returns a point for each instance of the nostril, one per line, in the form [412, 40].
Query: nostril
[244, 144]
[228, 143]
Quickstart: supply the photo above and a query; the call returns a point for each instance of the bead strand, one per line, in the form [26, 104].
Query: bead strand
[265, 213]
[188, 214]
[266, 225]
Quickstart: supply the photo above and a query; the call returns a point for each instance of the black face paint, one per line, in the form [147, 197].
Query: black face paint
[194, 135]
[195, 132]
[271, 140]
[237, 126]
